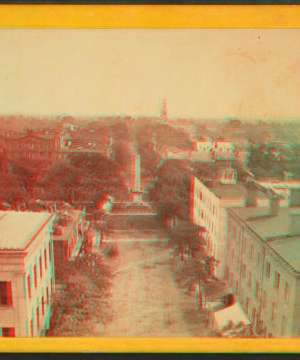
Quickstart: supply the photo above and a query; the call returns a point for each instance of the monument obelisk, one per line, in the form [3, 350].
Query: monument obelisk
[135, 190]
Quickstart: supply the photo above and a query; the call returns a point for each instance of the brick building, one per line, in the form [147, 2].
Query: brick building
[33, 145]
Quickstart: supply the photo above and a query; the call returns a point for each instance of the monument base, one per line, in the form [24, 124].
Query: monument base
[136, 196]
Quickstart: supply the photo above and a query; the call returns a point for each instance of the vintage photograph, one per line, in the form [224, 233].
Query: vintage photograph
[150, 183]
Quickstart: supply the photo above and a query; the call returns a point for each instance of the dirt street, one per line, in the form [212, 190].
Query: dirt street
[145, 299]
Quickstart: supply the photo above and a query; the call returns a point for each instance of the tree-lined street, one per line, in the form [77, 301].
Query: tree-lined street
[145, 299]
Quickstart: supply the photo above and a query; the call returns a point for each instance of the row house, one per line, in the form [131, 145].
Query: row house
[216, 149]
[26, 273]
[69, 230]
[209, 200]
[263, 266]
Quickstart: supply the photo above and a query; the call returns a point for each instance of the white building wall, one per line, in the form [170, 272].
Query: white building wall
[15, 268]
[248, 260]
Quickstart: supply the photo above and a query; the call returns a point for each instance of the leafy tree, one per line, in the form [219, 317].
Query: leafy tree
[28, 171]
[195, 273]
[60, 179]
[11, 189]
[170, 192]
[84, 298]
[186, 239]
[72, 309]
[93, 267]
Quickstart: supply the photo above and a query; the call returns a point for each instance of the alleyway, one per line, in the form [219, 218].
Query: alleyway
[145, 299]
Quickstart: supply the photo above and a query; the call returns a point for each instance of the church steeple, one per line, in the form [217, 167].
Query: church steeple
[164, 113]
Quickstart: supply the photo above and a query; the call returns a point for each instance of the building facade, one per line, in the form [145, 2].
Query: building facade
[69, 231]
[263, 266]
[209, 200]
[26, 273]
[34, 145]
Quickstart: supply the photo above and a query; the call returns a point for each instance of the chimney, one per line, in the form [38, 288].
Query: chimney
[273, 204]
[294, 197]
[250, 198]
[295, 223]
[287, 176]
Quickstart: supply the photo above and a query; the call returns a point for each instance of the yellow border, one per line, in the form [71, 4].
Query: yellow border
[144, 345]
[149, 16]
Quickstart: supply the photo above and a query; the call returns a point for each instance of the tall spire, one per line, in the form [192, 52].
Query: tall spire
[164, 109]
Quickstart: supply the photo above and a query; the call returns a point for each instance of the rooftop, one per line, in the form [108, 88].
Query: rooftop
[230, 191]
[73, 216]
[17, 228]
[289, 249]
[274, 230]
[290, 184]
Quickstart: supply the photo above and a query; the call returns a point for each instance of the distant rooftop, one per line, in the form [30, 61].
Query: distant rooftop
[230, 191]
[17, 228]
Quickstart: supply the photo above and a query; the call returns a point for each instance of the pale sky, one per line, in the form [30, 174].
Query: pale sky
[202, 73]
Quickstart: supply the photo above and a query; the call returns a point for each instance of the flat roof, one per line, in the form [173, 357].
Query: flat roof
[290, 184]
[66, 230]
[18, 227]
[274, 230]
[230, 191]
[289, 249]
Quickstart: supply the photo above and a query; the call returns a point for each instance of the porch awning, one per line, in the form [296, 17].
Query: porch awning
[216, 290]
[233, 314]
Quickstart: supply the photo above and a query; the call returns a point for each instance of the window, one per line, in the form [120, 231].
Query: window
[234, 233]
[47, 294]
[35, 276]
[251, 252]
[31, 327]
[286, 291]
[8, 332]
[268, 268]
[45, 256]
[232, 253]
[41, 270]
[244, 271]
[227, 272]
[5, 293]
[29, 286]
[264, 299]
[258, 259]
[43, 306]
[256, 289]
[277, 280]
[283, 325]
[273, 311]
[37, 317]
[247, 305]
[49, 251]
[250, 279]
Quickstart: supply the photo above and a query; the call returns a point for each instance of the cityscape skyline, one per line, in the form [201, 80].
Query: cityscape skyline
[204, 73]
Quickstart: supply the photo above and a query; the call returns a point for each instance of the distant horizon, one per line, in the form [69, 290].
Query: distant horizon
[202, 73]
[136, 117]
